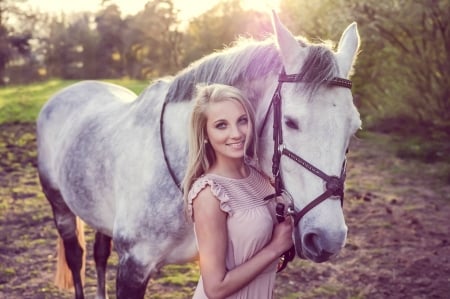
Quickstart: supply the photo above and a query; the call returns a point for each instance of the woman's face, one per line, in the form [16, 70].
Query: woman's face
[226, 128]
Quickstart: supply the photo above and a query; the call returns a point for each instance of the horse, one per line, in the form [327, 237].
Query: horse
[115, 159]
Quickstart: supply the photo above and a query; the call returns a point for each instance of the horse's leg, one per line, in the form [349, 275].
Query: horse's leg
[66, 224]
[132, 273]
[102, 250]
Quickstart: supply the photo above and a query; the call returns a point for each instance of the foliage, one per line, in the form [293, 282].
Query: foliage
[104, 44]
[14, 41]
[405, 57]
[419, 149]
[220, 26]
[401, 70]
[151, 39]
[110, 29]
[70, 49]
[318, 20]
[415, 44]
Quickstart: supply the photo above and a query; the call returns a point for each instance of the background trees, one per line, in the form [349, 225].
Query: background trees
[14, 41]
[402, 70]
[410, 73]
[401, 75]
[220, 26]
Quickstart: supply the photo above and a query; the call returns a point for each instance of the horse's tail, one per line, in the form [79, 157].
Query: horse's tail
[63, 278]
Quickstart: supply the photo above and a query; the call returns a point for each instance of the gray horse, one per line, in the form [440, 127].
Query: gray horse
[114, 159]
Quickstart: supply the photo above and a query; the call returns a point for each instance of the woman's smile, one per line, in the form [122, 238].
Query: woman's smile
[237, 145]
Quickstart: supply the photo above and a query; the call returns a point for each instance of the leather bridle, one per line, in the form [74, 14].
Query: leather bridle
[334, 186]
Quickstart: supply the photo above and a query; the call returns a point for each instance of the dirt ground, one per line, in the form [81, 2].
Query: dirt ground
[397, 211]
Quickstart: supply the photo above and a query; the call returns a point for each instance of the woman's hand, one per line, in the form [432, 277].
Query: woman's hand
[282, 236]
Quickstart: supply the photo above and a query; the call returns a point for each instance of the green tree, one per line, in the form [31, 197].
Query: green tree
[71, 47]
[152, 41]
[14, 40]
[318, 20]
[402, 67]
[220, 26]
[415, 46]
[111, 47]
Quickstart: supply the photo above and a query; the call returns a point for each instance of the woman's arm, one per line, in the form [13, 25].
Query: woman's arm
[212, 238]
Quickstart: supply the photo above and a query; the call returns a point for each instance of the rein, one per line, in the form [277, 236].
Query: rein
[163, 145]
[334, 186]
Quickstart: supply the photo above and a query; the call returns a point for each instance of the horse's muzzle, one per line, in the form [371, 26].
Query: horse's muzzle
[315, 247]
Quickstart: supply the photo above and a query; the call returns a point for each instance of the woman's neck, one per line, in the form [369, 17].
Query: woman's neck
[231, 169]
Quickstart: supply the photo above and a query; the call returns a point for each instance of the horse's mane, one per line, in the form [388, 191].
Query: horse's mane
[247, 60]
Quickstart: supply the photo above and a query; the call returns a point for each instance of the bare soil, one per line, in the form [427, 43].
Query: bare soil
[398, 245]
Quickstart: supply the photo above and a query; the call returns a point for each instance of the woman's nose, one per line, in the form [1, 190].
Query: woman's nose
[236, 132]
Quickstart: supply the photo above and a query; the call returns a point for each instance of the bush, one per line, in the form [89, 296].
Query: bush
[403, 125]
[423, 150]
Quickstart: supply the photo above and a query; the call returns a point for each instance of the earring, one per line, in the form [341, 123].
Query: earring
[205, 141]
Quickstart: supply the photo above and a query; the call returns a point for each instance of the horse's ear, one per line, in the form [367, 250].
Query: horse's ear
[287, 44]
[348, 49]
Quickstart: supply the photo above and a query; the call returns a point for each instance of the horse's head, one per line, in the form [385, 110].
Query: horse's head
[316, 119]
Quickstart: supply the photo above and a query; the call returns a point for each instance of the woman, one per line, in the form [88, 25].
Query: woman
[238, 238]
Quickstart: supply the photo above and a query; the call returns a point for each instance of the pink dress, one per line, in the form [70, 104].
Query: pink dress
[250, 223]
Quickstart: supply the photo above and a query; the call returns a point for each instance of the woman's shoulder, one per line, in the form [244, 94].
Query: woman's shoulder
[206, 186]
[203, 182]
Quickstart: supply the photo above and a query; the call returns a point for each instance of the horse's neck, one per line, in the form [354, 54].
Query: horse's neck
[151, 100]
[260, 93]
[175, 123]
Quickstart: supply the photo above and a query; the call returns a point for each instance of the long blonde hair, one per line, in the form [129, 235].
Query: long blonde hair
[201, 155]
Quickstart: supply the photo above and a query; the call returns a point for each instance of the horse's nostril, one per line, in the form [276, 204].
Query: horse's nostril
[312, 244]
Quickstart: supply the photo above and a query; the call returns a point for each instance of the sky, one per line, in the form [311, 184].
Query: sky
[188, 8]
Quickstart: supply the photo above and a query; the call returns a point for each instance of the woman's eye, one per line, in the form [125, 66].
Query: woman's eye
[243, 120]
[290, 123]
[221, 125]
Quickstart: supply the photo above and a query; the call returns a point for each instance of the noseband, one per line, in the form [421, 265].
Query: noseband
[334, 185]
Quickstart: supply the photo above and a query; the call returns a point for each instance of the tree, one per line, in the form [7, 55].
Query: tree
[152, 41]
[416, 37]
[71, 47]
[111, 47]
[405, 53]
[318, 20]
[14, 43]
[220, 26]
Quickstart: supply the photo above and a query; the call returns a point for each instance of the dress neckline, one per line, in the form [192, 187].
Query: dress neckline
[250, 172]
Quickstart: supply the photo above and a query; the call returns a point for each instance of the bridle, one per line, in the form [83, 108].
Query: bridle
[334, 185]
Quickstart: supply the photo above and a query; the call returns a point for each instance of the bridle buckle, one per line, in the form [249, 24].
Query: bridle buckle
[334, 185]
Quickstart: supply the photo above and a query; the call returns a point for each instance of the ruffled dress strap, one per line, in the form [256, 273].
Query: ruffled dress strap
[216, 189]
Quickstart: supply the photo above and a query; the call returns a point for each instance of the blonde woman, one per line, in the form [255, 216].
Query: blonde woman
[238, 238]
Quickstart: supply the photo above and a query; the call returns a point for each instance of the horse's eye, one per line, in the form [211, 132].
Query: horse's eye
[290, 123]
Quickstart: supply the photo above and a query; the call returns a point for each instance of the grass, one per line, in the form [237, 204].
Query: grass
[21, 103]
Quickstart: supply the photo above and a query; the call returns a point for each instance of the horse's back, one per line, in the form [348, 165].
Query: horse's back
[80, 98]
[63, 116]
